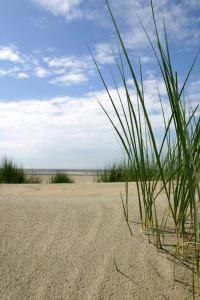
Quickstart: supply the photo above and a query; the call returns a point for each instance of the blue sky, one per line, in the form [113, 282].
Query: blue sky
[49, 117]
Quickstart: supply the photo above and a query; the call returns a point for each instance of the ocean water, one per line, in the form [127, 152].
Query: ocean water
[68, 171]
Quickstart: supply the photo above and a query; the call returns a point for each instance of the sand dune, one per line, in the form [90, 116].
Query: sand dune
[58, 242]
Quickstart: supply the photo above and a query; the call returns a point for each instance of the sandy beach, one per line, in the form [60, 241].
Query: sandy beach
[59, 241]
[77, 178]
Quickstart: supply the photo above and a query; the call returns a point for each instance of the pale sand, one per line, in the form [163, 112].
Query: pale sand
[77, 178]
[58, 242]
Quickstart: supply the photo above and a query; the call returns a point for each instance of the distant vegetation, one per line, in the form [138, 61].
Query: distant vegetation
[120, 172]
[33, 178]
[10, 172]
[60, 177]
[116, 172]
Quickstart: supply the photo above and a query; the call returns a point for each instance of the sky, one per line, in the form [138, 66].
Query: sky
[49, 115]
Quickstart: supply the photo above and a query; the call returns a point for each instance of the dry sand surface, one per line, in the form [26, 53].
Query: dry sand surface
[77, 178]
[58, 242]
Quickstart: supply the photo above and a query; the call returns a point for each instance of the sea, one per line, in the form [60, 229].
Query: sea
[81, 172]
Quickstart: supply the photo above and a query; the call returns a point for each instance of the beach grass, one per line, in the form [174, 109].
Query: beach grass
[60, 177]
[177, 167]
[115, 172]
[122, 172]
[33, 178]
[11, 172]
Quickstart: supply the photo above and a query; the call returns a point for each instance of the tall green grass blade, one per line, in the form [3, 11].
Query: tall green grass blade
[178, 168]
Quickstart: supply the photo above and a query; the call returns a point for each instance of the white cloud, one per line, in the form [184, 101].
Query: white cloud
[70, 79]
[145, 59]
[60, 71]
[75, 70]
[22, 62]
[51, 49]
[13, 71]
[37, 51]
[195, 86]
[2, 73]
[61, 129]
[195, 4]
[9, 53]
[23, 75]
[35, 61]
[41, 72]
[70, 62]
[181, 19]
[104, 54]
[67, 8]
[40, 22]
[193, 90]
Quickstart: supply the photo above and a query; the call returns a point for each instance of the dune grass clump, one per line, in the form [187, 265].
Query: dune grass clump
[117, 172]
[33, 179]
[122, 172]
[10, 172]
[60, 177]
[178, 166]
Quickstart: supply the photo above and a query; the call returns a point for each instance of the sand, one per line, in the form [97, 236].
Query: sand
[78, 178]
[60, 241]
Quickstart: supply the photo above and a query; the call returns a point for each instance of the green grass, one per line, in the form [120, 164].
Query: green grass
[33, 178]
[121, 172]
[112, 173]
[177, 167]
[11, 172]
[60, 177]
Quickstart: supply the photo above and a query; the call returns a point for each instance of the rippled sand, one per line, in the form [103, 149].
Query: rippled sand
[59, 242]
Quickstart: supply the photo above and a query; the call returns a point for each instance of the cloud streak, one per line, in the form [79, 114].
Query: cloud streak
[41, 72]
[70, 79]
[67, 8]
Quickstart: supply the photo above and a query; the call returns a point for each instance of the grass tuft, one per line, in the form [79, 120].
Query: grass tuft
[116, 172]
[60, 177]
[121, 172]
[33, 179]
[10, 172]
